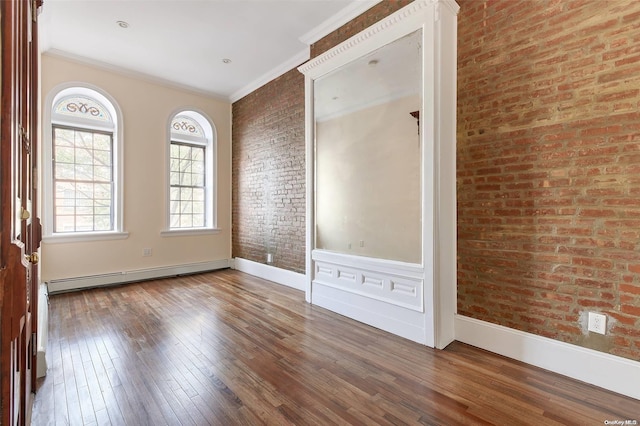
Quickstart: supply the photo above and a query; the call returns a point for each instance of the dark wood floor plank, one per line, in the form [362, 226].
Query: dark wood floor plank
[226, 348]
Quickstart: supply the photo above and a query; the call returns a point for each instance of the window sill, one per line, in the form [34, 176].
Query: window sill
[84, 237]
[190, 232]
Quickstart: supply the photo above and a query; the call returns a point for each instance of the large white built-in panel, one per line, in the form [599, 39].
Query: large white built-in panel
[381, 201]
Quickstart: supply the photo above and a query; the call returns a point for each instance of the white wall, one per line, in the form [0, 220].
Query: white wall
[146, 107]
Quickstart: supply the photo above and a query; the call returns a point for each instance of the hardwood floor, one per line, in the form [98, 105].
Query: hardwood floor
[227, 348]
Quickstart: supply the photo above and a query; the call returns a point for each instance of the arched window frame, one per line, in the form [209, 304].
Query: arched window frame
[209, 142]
[115, 127]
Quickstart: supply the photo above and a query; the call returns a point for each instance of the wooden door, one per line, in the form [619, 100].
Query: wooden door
[20, 229]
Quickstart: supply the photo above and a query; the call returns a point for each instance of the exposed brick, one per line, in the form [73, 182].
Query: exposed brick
[559, 130]
[268, 159]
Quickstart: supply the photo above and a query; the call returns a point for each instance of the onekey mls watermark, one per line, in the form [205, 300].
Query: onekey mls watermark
[621, 422]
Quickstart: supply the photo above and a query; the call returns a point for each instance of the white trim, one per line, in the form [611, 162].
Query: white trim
[437, 138]
[189, 232]
[271, 273]
[393, 319]
[611, 372]
[46, 177]
[271, 75]
[76, 283]
[352, 11]
[211, 178]
[81, 237]
[42, 332]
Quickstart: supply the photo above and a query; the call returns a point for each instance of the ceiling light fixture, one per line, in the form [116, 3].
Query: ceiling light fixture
[226, 61]
[122, 24]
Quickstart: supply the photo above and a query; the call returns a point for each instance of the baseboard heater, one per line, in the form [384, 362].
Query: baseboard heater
[76, 283]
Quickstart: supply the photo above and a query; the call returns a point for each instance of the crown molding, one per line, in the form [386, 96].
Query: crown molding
[125, 72]
[283, 68]
[345, 15]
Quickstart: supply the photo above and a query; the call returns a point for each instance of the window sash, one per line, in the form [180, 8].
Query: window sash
[188, 185]
[83, 180]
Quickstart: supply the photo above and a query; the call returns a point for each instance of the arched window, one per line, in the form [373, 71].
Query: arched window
[191, 173]
[82, 167]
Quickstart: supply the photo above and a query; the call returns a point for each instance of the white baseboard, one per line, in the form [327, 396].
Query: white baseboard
[41, 364]
[76, 283]
[43, 329]
[271, 273]
[607, 371]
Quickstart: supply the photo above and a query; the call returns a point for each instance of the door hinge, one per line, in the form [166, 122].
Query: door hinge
[34, 343]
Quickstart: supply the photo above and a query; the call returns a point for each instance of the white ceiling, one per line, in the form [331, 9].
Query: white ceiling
[183, 42]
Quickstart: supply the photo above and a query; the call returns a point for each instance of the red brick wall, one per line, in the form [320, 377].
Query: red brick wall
[268, 160]
[268, 167]
[549, 167]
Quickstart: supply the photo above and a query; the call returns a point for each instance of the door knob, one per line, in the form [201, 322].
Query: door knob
[24, 213]
[32, 258]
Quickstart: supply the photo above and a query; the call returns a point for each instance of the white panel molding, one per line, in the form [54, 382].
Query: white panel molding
[377, 35]
[387, 281]
[394, 319]
[77, 283]
[607, 371]
[271, 273]
[437, 21]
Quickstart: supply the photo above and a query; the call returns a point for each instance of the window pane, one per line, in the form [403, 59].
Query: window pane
[84, 140]
[64, 154]
[186, 221]
[174, 165]
[102, 158]
[64, 171]
[102, 222]
[102, 173]
[198, 194]
[102, 142]
[64, 137]
[84, 156]
[198, 221]
[187, 179]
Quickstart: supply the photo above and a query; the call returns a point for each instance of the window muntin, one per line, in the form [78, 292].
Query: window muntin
[188, 186]
[82, 180]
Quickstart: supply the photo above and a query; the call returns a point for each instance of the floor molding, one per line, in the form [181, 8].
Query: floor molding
[271, 273]
[607, 371]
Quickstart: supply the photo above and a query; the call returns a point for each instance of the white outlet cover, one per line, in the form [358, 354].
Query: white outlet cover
[597, 323]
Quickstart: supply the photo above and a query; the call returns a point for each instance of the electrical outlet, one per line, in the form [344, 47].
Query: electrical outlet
[597, 323]
[269, 257]
[146, 252]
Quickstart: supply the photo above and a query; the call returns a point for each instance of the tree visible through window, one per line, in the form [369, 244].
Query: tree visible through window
[83, 180]
[83, 164]
[187, 185]
[190, 172]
